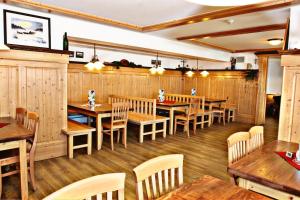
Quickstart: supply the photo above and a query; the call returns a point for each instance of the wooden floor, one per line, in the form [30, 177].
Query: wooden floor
[205, 153]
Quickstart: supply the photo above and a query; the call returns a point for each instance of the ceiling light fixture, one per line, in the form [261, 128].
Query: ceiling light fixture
[227, 2]
[157, 68]
[94, 63]
[204, 73]
[275, 41]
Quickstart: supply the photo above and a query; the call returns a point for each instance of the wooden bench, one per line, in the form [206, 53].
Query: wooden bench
[187, 99]
[78, 129]
[143, 112]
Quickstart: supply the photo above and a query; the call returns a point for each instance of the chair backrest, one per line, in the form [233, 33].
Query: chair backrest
[119, 113]
[136, 104]
[90, 187]
[154, 174]
[32, 124]
[238, 146]
[256, 137]
[21, 115]
[193, 107]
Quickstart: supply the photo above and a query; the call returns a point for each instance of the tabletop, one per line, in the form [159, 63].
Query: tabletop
[211, 100]
[265, 167]
[13, 131]
[99, 108]
[175, 104]
[210, 188]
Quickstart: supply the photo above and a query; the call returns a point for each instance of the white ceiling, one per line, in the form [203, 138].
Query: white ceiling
[247, 41]
[149, 12]
[136, 12]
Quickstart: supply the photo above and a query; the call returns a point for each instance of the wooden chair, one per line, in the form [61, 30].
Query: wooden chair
[31, 123]
[202, 113]
[231, 113]
[94, 186]
[219, 113]
[191, 114]
[238, 146]
[156, 172]
[256, 137]
[119, 119]
[21, 115]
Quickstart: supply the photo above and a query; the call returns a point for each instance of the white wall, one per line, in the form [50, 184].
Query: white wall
[96, 31]
[275, 74]
[294, 40]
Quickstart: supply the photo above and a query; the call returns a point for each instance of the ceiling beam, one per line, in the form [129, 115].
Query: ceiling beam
[256, 29]
[72, 13]
[147, 51]
[200, 43]
[258, 50]
[229, 12]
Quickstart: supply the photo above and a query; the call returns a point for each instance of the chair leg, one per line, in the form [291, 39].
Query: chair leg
[202, 121]
[0, 182]
[187, 129]
[141, 133]
[118, 137]
[165, 129]
[175, 127]
[219, 119]
[153, 131]
[228, 117]
[32, 173]
[125, 137]
[195, 125]
[112, 139]
[224, 118]
[70, 146]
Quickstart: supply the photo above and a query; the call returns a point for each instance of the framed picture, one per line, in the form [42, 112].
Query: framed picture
[26, 30]
[79, 54]
[71, 55]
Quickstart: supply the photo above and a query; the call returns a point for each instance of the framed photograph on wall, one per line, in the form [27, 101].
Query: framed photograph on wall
[26, 30]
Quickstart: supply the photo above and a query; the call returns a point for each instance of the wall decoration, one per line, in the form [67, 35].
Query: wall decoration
[193, 92]
[161, 95]
[26, 30]
[71, 55]
[79, 54]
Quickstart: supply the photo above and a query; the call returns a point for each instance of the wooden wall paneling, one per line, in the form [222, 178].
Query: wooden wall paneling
[295, 126]
[38, 82]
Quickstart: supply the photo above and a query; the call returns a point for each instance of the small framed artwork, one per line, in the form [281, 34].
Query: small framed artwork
[79, 54]
[26, 30]
[289, 154]
[71, 55]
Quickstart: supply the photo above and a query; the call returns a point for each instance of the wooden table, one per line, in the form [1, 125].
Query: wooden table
[210, 188]
[100, 111]
[213, 102]
[12, 136]
[171, 107]
[264, 167]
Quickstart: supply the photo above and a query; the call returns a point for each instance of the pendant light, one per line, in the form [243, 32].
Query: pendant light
[204, 73]
[94, 63]
[157, 68]
[227, 2]
[190, 73]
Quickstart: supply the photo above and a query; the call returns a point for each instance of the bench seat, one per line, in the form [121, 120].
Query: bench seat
[77, 129]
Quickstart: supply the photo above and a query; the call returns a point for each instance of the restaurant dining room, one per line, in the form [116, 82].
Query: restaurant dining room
[161, 99]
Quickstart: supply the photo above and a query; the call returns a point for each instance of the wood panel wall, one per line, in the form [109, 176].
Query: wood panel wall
[138, 82]
[228, 85]
[123, 81]
[37, 81]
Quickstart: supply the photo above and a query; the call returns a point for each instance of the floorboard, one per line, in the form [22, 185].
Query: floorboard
[204, 153]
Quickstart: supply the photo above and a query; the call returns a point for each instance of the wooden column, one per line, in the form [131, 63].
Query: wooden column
[262, 86]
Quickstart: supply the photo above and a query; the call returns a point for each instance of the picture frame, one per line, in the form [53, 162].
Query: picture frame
[72, 54]
[79, 54]
[26, 30]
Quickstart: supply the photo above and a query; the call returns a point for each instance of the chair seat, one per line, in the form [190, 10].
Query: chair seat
[218, 111]
[203, 112]
[184, 117]
[107, 125]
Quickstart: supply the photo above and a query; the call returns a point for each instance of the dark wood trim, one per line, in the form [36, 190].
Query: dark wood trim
[286, 35]
[148, 51]
[256, 29]
[290, 52]
[258, 50]
[220, 14]
[38, 49]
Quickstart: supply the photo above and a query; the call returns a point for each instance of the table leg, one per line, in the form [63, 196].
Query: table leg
[210, 117]
[99, 132]
[171, 122]
[23, 170]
